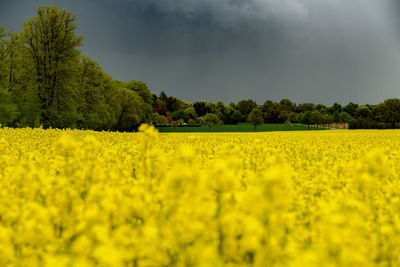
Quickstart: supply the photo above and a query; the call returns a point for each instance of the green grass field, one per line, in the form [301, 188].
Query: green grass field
[242, 127]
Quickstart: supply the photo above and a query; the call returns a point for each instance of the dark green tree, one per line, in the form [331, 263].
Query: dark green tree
[200, 108]
[335, 107]
[327, 119]
[161, 101]
[134, 110]
[232, 105]
[256, 118]
[246, 106]
[236, 117]
[220, 106]
[292, 117]
[345, 117]
[336, 117]
[287, 104]
[321, 108]
[174, 104]
[389, 111]
[316, 117]
[158, 119]
[264, 107]
[299, 118]
[211, 119]
[306, 119]
[190, 113]
[178, 115]
[363, 112]
[350, 108]
[304, 107]
[275, 113]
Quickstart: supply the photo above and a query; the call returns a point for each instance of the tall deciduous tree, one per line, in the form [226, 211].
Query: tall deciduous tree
[52, 43]
[93, 106]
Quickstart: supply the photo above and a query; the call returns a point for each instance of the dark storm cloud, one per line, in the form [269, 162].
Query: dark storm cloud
[306, 50]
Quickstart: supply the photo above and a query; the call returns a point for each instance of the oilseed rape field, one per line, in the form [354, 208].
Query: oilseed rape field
[85, 198]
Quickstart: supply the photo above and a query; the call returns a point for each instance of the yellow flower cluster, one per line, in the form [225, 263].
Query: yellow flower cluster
[84, 198]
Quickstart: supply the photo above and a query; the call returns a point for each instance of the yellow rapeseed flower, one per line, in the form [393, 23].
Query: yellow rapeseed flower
[85, 198]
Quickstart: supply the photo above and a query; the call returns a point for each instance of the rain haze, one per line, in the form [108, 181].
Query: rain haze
[320, 51]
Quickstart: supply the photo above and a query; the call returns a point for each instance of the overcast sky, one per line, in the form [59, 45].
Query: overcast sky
[320, 51]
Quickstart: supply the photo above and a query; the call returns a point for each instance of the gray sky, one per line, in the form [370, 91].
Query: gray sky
[320, 51]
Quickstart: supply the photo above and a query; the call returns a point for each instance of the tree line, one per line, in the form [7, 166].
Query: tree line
[383, 115]
[46, 81]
